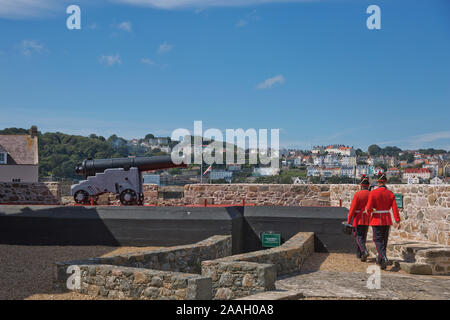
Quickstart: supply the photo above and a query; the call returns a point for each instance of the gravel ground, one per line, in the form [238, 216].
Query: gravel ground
[26, 272]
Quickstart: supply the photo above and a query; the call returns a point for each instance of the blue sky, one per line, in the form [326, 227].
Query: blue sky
[310, 68]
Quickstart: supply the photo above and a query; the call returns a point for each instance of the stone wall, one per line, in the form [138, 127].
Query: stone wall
[168, 273]
[174, 273]
[30, 192]
[425, 214]
[258, 194]
[250, 273]
[416, 257]
[135, 283]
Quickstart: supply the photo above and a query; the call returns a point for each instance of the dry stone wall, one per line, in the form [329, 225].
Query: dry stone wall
[258, 194]
[30, 192]
[254, 272]
[169, 273]
[135, 283]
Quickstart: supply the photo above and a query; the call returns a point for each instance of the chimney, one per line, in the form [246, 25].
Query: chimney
[33, 131]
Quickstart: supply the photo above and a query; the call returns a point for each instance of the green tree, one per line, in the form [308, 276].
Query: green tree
[374, 150]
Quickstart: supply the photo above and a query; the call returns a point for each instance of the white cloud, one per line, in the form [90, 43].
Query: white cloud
[27, 8]
[165, 47]
[241, 23]
[147, 62]
[93, 26]
[110, 60]
[247, 19]
[269, 83]
[20, 9]
[28, 47]
[421, 140]
[176, 4]
[125, 26]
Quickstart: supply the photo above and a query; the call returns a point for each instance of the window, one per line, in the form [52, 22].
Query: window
[3, 157]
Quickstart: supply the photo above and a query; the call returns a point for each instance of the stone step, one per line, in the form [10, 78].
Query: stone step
[418, 257]
[276, 295]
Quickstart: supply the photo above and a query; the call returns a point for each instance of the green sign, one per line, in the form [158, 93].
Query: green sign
[399, 200]
[270, 240]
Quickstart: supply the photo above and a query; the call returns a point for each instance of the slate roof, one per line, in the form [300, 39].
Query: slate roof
[21, 149]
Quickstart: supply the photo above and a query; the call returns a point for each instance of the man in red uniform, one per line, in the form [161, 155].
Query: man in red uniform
[358, 217]
[380, 202]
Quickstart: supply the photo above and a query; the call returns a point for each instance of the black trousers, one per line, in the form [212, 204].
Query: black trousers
[360, 238]
[380, 238]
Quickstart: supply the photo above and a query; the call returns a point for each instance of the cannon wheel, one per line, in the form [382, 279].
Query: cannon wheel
[81, 197]
[128, 197]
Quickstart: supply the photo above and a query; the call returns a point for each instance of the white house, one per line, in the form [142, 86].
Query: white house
[413, 180]
[436, 181]
[423, 173]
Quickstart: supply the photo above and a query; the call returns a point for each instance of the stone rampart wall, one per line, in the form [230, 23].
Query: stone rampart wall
[30, 192]
[425, 214]
[250, 273]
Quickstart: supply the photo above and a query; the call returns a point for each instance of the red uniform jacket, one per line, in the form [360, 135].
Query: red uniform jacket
[357, 209]
[382, 199]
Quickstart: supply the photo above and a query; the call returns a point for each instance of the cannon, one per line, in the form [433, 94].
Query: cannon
[122, 176]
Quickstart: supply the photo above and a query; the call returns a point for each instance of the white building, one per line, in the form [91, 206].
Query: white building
[158, 141]
[348, 161]
[220, 174]
[423, 173]
[152, 179]
[266, 171]
[413, 180]
[299, 180]
[348, 171]
[436, 181]
[341, 150]
[362, 169]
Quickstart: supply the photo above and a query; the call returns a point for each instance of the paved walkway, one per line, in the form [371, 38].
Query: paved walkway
[353, 285]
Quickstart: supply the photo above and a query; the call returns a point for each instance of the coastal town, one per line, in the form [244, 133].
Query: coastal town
[28, 155]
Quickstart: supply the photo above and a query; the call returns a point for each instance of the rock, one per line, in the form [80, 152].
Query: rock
[156, 282]
[247, 280]
[139, 278]
[223, 294]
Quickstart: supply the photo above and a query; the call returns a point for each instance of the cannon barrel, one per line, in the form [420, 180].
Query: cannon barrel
[90, 167]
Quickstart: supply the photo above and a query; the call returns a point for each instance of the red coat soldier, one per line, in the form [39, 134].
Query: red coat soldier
[380, 202]
[358, 217]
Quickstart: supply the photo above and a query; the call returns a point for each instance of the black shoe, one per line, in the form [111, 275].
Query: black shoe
[378, 261]
[384, 263]
[364, 256]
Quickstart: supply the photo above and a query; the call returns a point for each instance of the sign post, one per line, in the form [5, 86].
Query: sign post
[399, 200]
[270, 239]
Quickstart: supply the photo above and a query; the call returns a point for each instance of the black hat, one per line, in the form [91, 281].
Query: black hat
[382, 177]
[364, 180]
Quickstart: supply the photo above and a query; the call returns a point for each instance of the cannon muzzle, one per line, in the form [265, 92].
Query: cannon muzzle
[90, 167]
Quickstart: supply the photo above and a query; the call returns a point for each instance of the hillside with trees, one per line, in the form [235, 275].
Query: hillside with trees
[59, 153]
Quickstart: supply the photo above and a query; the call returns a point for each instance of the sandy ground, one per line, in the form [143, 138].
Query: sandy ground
[343, 262]
[26, 272]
